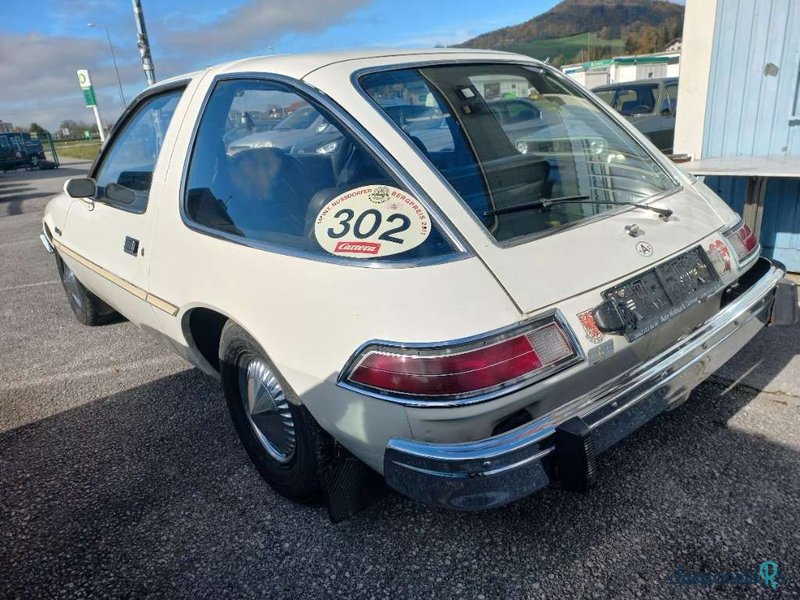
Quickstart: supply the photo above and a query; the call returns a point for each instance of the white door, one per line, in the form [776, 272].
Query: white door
[105, 239]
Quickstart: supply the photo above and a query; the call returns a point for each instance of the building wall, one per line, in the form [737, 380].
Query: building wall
[753, 84]
[780, 230]
[696, 46]
[596, 78]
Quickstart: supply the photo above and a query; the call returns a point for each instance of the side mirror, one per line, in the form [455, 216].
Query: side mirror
[80, 187]
[119, 193]
[666, 112]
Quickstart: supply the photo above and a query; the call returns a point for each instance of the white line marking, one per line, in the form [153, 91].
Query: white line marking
[22, 286]
[74, 375]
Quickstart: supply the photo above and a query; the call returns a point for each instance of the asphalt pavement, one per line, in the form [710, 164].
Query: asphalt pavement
[120, 475]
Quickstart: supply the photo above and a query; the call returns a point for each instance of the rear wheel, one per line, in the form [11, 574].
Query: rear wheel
[88, 308]
[282, 439]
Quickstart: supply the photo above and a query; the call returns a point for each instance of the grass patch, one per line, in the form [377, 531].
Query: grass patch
[568, 46]
[84, 150]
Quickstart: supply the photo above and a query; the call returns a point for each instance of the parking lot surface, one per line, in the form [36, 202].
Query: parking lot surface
[120, 475]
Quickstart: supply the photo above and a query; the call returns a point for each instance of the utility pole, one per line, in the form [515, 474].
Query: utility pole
[144, 45]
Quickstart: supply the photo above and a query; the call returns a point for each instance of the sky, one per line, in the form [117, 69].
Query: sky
[43, 42]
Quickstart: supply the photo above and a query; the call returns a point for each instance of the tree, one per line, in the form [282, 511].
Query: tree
[37, 129]
[74, 129]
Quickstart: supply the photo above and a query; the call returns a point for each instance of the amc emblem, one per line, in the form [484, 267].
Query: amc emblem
[644, 249]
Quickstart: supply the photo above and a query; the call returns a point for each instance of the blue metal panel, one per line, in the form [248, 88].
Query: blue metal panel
[750, 109]
[780, 229]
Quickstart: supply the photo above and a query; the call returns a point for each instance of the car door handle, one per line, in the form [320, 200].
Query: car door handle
[131, 246]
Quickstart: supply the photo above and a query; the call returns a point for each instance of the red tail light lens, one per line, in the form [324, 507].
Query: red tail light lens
[742, 239]
[463, 370]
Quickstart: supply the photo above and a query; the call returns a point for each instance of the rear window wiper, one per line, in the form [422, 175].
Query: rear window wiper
[663, 213]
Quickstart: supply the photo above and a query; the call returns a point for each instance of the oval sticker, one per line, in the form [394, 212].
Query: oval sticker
[370, 221]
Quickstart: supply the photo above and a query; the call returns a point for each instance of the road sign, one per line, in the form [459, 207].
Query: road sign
[90, 99]
[83, 79]
[85, 82]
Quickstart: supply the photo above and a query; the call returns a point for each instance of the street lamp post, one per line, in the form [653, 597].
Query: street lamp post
[114, 59]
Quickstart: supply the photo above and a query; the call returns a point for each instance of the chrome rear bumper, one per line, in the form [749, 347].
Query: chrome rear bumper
[500, 469]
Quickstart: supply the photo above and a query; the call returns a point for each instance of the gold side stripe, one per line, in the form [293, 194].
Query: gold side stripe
[159, 303]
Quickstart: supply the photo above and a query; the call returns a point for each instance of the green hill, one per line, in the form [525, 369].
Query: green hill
[575, 30]
[568, 47]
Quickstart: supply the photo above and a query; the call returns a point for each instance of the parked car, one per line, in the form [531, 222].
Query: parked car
[468, 321]
[518, 117]
[33, 148]
[13, 154]
[650, 104]
[305, 125]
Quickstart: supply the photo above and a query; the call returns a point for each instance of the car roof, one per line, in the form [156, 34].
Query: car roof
[623, 84]
[298, 66]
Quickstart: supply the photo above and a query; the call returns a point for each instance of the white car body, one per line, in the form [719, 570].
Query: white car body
[311, 316]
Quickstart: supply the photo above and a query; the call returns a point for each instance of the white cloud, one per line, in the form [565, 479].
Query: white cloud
[258, 24]
[40, 83]
[38, 72]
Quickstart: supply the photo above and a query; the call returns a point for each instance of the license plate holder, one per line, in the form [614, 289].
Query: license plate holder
[657, 295]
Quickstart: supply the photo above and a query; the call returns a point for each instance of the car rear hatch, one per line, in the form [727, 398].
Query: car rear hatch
[594, 254]
[551, 183]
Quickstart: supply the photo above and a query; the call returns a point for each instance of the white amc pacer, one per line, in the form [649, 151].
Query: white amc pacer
[457, 268]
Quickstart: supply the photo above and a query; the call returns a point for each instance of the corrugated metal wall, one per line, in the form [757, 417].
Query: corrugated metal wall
[780, 230]
[750, 110]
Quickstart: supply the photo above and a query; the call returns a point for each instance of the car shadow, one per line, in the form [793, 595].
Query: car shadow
[19, 191]
[149, 490]
[764, 364]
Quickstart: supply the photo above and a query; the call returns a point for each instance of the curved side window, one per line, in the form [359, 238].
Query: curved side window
[272, 167]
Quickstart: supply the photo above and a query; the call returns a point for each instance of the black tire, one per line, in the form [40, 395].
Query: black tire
[88, 308]
[297, 476]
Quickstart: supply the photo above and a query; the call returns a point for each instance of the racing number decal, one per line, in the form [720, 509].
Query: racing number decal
[373, 220]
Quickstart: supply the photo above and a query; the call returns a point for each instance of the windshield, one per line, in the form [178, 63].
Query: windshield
[506, 135]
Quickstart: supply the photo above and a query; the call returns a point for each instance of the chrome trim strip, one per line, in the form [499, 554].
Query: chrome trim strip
[486, 449]
[140, 293]
[461, 249]
[545, 318]
[662, 161]
[463, 475]
[749, 259]
[46, 242]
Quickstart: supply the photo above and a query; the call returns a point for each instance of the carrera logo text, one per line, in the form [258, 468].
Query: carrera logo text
[593, 334]
[358, 247]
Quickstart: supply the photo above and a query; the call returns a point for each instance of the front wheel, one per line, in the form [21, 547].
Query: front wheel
[88, 308]
[282, 439]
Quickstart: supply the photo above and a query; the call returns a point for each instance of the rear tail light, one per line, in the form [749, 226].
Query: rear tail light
[464, 370]
[742, 240]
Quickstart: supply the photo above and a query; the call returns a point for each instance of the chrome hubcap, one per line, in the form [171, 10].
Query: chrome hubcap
[267, 409]
[71, 284]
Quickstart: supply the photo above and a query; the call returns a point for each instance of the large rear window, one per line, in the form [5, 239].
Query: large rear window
[513, 139]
